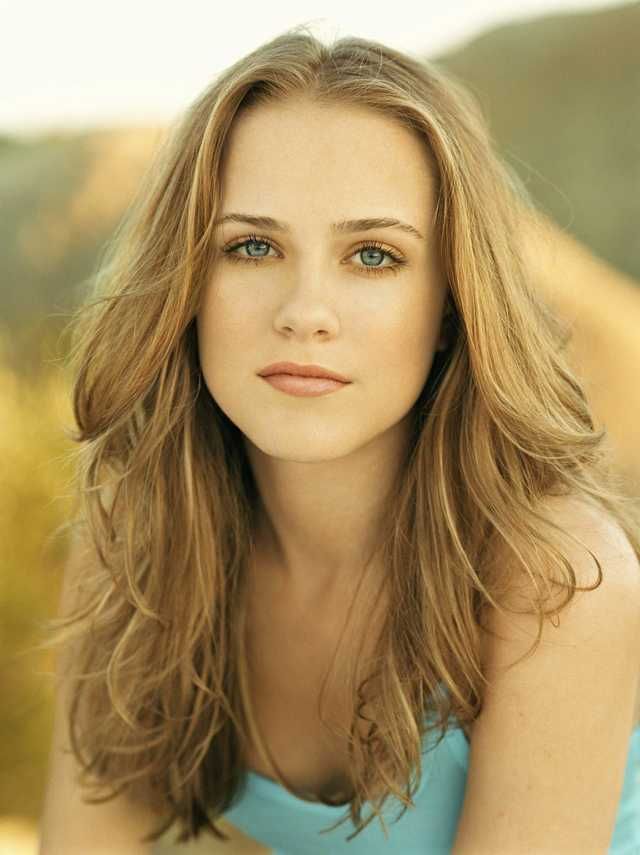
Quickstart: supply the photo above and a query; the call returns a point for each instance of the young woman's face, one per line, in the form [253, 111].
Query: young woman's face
[312, 294]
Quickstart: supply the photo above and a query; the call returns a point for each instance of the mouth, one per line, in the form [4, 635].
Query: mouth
[304, 386]
[296, 370]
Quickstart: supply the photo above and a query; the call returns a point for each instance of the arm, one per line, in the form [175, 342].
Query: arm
[576, 282]
[68, 826]
[601, 305]
[549, 749]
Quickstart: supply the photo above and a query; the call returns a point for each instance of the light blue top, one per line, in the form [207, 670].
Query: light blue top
[290, 825]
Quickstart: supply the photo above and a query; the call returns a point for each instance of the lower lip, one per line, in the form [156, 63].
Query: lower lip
[305, 386]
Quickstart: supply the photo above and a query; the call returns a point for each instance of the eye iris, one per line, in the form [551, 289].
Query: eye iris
[260, 243]
[374, 252]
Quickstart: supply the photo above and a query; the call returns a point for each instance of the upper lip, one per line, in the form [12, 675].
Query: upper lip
[302, 371]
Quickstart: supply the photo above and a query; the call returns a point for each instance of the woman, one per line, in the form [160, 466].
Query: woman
[414, 587]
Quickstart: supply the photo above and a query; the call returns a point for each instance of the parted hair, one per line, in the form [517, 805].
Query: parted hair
[159, 704]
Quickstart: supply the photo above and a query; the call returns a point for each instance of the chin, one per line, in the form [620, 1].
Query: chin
[300, 446]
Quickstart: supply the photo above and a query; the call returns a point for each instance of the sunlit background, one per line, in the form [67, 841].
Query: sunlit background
[87, 92]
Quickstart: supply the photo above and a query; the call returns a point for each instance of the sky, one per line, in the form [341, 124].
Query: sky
[80, 63]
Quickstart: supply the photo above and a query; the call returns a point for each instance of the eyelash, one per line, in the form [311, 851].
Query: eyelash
[368, 271]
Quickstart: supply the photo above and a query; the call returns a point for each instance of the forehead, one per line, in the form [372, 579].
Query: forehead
[309, 156]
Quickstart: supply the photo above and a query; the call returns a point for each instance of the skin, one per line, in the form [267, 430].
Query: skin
[322, 464]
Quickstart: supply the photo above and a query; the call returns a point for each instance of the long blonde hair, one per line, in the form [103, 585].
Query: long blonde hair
[167, 498]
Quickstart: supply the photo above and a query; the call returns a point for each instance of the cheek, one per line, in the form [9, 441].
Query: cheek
[402, 342]
[217, 333]
[225, 324]
[223, 313]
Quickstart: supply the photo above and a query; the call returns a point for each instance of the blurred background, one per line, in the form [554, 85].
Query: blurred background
[89, 91]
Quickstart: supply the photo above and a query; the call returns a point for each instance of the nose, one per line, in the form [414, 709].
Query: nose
[308, 311]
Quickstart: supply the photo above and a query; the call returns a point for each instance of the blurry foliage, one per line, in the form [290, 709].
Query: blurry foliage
[33, 501]
[562, 97]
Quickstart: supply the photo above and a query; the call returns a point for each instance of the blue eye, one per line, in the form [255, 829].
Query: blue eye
[248, 242]
[371, 248]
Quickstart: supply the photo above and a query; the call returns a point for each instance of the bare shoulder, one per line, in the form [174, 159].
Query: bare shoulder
[552, 738]
[591, 537]
[603, 562]
[596, 547]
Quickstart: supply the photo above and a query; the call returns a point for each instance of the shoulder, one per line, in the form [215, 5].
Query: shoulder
[551, 740]
[600, 623]
[591, 542]
[587, 534]
[602, 618]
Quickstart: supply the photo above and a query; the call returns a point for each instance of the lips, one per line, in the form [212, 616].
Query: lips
[299, 370]
[304, 386]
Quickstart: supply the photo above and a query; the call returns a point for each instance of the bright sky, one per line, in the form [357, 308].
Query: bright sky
[81, 63]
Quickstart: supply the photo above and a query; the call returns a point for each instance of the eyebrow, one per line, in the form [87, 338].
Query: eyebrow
[342, 227]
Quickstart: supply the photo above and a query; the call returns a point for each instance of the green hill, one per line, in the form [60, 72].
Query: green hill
[562, 94]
